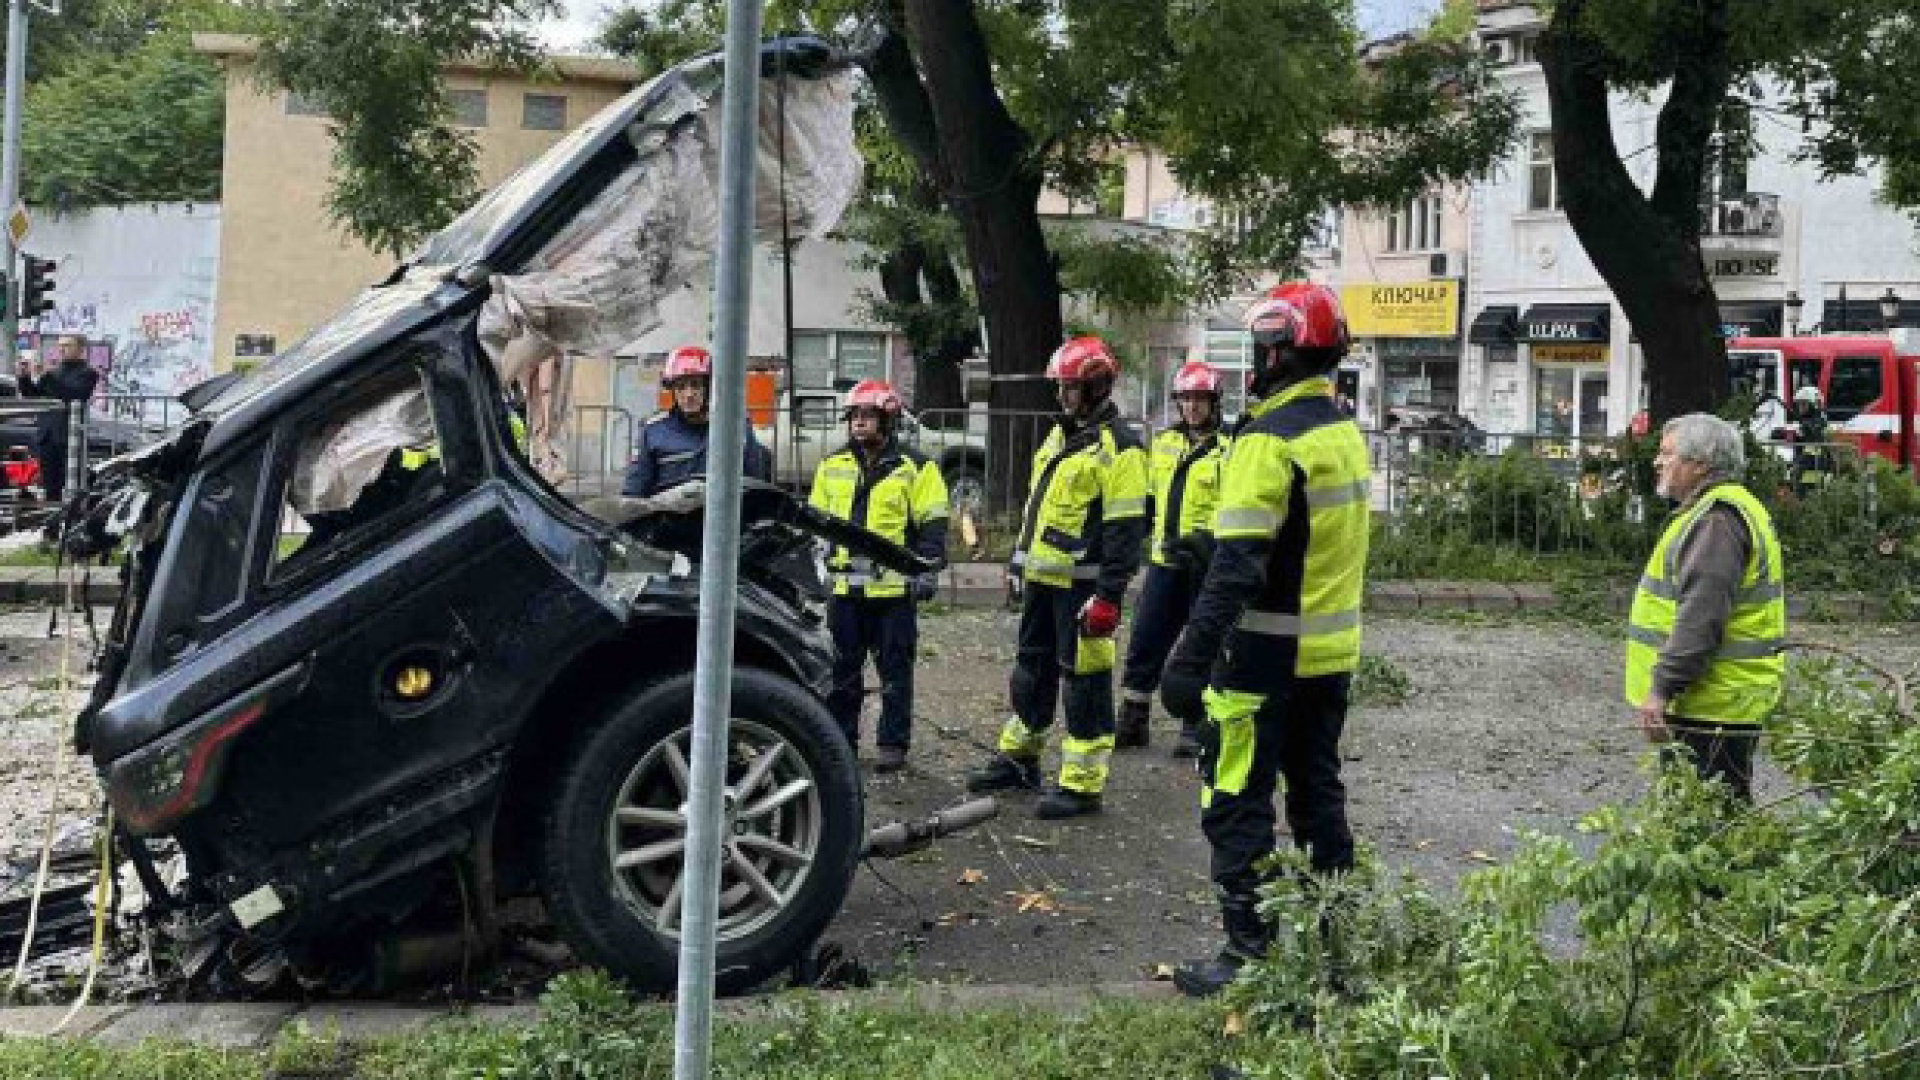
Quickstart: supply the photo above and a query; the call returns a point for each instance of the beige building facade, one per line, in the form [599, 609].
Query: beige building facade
[284, 267]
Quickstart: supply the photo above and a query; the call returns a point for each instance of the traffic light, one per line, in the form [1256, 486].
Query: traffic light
[36, 287]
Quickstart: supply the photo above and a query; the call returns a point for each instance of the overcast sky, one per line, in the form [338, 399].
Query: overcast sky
[1377, 17]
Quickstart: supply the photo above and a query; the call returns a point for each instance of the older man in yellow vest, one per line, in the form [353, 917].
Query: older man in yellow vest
[1710, 614]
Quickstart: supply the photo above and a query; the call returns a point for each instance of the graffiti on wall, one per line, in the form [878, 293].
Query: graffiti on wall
[138, 284]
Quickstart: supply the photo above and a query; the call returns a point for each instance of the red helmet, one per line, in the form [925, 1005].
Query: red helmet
[1082, 358]
[874, 394]
[1301, 314]
[1196, 376]
[688, 360]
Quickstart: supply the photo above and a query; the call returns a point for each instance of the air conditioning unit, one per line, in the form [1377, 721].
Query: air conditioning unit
[1736, 219]
[1499, 51]
[1447, 264]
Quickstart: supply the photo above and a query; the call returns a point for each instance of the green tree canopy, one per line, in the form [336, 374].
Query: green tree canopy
[123, 109]
[400, 169]
[1839, 70]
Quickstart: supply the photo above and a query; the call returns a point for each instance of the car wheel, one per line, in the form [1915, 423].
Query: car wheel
[615, 836]
[966, 492]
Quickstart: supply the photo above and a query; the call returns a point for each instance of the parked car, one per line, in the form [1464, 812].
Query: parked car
[19, 421]
[452, 686]
[1435, 430]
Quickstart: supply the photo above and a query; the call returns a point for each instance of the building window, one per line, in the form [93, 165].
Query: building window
[301, 105]
[862, 356]
[812, 360]
[469, 107]
[1543, 187]
[543, 112]
[1728, 155]
[1511, 50]
[1416, 226]
[822, 358]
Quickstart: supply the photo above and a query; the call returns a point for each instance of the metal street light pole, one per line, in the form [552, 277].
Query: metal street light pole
[10, 169]
[720, 545]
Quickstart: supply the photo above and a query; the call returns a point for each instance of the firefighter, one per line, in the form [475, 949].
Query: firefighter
[898, 493]
[1079, 546]
[1186, 481]
[1812, 458]
[673, 443]
[1274, 636]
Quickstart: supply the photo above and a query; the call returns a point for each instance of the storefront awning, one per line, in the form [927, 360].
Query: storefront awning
[1495, 325]
[1750, 319]
[1553, 323]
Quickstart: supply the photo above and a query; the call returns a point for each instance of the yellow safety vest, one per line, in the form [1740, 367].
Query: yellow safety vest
[1098, 474]
[1743, 682]
[1186, 485]
[1297, 475]
[902, 493]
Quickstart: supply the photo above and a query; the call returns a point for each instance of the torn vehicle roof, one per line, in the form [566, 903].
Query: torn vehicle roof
[541, 218]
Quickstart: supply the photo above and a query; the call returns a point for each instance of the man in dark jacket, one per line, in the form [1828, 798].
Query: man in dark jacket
[71, 380]
[672, 447]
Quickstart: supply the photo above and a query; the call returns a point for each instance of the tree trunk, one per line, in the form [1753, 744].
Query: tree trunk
[1646, 248]
[939, 382]
[993, 183]
[941, 370]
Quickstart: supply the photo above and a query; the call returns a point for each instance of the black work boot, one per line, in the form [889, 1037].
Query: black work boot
[1063, 803]
[1188, 745]
[1004, 773]
[1248, 937]
[1131, 727]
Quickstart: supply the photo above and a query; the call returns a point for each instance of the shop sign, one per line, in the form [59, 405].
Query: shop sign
[1743, 266]
[1416, 309]
[1569, 354]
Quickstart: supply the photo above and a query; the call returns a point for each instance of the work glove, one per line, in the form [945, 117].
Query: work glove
[1099, 617]
[1183, 684]
[925, 587]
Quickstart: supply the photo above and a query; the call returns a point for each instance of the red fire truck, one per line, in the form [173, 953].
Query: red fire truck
[1870, 384]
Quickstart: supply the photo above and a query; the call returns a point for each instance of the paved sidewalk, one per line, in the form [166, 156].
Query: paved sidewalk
[255, 1025]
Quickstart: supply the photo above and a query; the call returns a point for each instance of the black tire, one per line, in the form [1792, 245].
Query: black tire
[966, 488]
[606, 918]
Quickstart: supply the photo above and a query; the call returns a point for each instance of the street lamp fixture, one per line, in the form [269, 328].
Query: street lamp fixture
[1889, 308]
[1794, 305]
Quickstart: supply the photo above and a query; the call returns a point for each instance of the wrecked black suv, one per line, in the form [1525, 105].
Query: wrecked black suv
[372, 676]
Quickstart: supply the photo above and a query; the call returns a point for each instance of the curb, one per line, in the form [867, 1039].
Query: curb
[255, 1025]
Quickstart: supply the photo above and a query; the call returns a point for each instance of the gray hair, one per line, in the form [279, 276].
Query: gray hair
[1710, 441]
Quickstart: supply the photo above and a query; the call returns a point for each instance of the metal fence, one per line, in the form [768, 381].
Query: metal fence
[1530, 493]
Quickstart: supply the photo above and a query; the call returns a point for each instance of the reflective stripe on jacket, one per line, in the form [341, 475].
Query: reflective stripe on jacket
[1186, 485]
[1295, 485]
[901, 496]
[1742, 683]
[1082, 482]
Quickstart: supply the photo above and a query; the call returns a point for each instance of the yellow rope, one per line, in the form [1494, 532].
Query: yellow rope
[101, 895]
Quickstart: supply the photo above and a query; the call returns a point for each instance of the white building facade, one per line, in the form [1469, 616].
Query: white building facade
[1548, 351]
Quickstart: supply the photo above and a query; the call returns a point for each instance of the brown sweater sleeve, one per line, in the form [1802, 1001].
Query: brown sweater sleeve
[1712, 560]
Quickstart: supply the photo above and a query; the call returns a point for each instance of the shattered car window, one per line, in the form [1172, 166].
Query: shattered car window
[350, 471]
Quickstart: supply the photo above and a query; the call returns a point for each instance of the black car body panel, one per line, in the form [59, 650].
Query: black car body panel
[330, 720]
